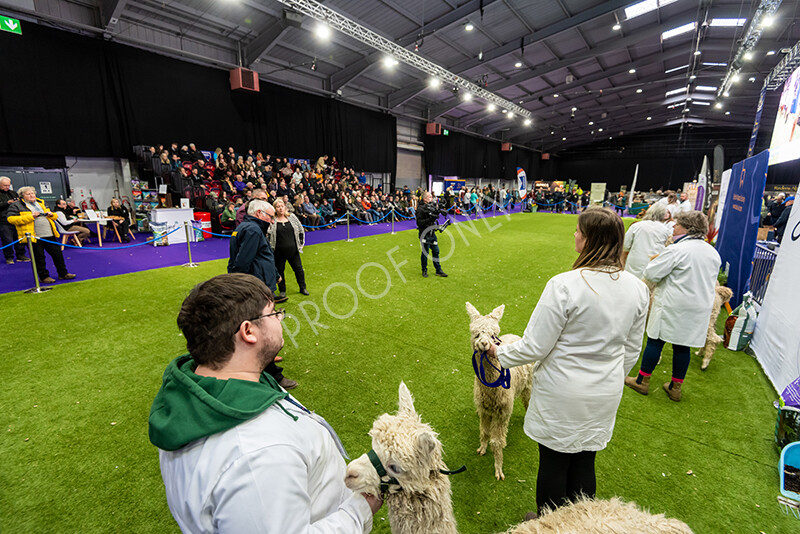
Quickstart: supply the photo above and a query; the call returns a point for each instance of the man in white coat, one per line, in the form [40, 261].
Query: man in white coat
[237, 452]
[686, 274]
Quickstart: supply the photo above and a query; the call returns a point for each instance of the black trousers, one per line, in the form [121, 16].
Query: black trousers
[563, 477]
[281, 257]
[54, 251]
[430, 246]
[8, 234]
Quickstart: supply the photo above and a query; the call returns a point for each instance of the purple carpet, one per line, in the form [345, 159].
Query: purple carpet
[92, 261]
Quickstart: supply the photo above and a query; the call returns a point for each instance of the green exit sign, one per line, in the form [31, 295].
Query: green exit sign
[7, 24]
[446, 132]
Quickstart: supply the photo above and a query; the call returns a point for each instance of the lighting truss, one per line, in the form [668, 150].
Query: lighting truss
[783, 69]
[339, 22]
[765, 9]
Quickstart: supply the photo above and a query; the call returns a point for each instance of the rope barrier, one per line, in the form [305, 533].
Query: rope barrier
[12, 243]
[612, 204]
[373, 222]
[343, 217]
[149, 241]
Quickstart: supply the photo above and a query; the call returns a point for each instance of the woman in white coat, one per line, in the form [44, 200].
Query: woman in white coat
[645, 239]
[586, 331]
[686, 274]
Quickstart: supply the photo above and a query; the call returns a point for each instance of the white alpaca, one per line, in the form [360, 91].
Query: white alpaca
[419, 500]
[722, 295]
[494, 405]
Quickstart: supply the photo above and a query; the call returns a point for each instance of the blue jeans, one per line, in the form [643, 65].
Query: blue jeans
[681, 355]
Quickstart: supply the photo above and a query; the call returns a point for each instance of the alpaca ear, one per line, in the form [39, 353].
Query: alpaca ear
[406, 402]
[426, 443]
[497, 313]
[472, 311]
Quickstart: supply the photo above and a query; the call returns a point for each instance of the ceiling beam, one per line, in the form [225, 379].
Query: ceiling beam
[359, 67]
[263, 43]
[110, 10]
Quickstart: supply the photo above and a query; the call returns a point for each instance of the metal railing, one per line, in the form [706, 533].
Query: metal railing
[763, 262]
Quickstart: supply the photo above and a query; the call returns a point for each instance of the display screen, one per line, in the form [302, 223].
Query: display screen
[785, 143]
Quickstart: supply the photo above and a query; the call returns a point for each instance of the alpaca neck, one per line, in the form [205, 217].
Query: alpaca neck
[428, 512]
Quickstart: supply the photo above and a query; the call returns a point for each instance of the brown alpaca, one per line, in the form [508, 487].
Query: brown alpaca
[420, 501]
[721, 296]
[494, 405]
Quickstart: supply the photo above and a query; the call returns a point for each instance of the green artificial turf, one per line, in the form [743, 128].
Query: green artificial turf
[82, 363]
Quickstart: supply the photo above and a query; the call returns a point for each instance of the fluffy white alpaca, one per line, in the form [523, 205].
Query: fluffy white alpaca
[721, 296]
[411, 452]
[494, 405]
[420, 502]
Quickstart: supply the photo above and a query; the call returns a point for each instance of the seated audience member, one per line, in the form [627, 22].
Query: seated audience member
[326, 212]
[310, 211]
[194, 154]
[121, 217]
[367, 205]
[69, 223]
[228, 218]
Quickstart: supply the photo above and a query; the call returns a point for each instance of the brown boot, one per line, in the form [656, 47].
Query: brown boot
[642, 388]
[673, 389]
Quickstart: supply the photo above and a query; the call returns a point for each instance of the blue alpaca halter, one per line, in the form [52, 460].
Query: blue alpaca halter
[504, 380]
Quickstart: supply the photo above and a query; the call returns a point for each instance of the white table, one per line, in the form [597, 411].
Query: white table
[96, 222]
[174, 217]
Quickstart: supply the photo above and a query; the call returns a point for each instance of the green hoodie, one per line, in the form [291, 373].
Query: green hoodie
[189, 406]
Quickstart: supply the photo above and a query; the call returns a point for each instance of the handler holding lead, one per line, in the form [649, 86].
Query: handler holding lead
[427, 214]
[237, 452]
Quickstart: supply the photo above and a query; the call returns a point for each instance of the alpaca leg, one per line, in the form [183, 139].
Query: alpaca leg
[484, 434]
[498, 461]
[498, 440]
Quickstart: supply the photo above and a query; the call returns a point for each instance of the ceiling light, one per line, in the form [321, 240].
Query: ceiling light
[678, 31]
[726, 93]
[616, 27]
[552, 133]
[727, 113]
[591, 123]
[640, 8]
[505, 111]
[434, 82]
[697, 52]
[771, 53]
[718, 105]
[675, 69]
[752, 79]
[521, 101]
[555, 95]
[736, 78]
[610, 137]
[323, 31]
[692, 77]
[599, 129]
[723, 23]
[469, 27]
[563, 138]
[649, 118]
[389, 61]
[748, 56]
[701, 103]
[675, 92]
[510, 115]
[467, 96]
[491, 107]
[632, 71]
[574, 109]
[767, 22]
[638, 91]
[518, 64]
[707, 64]
[527, 122]
[709, 88]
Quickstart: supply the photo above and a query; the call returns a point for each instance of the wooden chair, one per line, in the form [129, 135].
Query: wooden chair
[115, 227]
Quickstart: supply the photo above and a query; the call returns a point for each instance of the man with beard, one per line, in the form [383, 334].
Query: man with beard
[237, 452]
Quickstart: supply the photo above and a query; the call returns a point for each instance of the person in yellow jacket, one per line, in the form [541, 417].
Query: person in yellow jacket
[30, 215]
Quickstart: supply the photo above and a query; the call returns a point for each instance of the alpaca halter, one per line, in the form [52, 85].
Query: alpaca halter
[503, 380]
[384, 486]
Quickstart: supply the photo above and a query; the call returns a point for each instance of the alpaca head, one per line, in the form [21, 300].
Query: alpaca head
[482, 328]
[408, 449]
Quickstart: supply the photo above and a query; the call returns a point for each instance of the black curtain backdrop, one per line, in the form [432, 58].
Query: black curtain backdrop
[467, 156]
[65, 94]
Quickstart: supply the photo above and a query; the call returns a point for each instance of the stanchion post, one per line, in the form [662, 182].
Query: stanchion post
[393, 216]
[188, 246]
[38, 288]
[348, 228]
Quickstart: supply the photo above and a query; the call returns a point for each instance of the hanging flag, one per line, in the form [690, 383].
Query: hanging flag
[522, 183]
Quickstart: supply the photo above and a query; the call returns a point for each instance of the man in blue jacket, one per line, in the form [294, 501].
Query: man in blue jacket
[251, 254]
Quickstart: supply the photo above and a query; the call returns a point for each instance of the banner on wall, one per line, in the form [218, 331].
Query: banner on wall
[701, 189]
[776, 339]
[598, 195]
[738, 231]
[522, 183]
[723, 192]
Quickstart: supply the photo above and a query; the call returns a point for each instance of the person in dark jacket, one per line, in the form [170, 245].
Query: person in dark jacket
[780, 224]
[251, 254]
[427, 214]
[8, 233]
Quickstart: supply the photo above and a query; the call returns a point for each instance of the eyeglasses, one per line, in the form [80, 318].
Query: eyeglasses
[280, 313]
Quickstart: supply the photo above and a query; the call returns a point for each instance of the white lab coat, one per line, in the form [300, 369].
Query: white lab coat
[685, 206]
[270, 474]
[586, 330]
[642, 240]
[686, 274]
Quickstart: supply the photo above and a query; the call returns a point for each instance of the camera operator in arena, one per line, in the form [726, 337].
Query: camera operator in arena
[427, 214]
